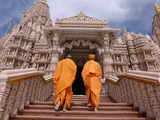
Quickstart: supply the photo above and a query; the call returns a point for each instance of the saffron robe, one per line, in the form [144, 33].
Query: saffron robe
[91, 75]
[63, 77]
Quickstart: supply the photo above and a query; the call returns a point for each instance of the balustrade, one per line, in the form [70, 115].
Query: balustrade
[19, 88]
[138, 88]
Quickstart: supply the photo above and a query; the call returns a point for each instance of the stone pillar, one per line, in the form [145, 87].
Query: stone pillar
[55, 54]
[107, 62]
[107, 58]
[108, 70]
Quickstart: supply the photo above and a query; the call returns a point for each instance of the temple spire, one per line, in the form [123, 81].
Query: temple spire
[44, 1]
[81, 13]
[14, 29]
[10, 24]
[157, 9]
[125, 30]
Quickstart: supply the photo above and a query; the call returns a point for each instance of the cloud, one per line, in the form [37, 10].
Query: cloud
[99, 8]
[136, 15]
[115, 10]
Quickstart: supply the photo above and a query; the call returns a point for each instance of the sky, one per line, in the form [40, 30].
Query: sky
[135, 15]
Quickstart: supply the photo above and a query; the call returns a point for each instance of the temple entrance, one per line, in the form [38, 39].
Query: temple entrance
[80, 57]
[78, 85]
[79, 36]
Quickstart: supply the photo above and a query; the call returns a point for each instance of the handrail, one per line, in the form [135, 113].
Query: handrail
[19, 75]
[17, 71]
[152, 78]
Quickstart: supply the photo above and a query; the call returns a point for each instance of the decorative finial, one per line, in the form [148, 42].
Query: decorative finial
[125, 30]
[81, 14]
[10, 24]
[44, 1]
[14, 29]
[11, 20]
[157, 8]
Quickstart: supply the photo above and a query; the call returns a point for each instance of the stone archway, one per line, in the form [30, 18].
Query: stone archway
[84, 34]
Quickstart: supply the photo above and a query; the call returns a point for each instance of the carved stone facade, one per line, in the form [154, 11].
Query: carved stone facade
[81, 35]
[134, 52]
[27, 46]
[141, 52]
[37, 43]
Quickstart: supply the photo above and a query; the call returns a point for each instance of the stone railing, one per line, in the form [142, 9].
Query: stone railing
[138, 88]
[19, 88]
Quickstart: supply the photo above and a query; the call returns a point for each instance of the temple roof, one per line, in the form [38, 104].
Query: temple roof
[81, 18]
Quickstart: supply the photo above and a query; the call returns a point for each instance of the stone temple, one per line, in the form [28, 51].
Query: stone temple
[37, 43]
[40, 44]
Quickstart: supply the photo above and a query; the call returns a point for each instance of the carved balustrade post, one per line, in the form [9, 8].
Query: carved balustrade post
[4, 93]
[153, 102]
[10, 102]
[144, 98]
[29, 89]
[157, 105]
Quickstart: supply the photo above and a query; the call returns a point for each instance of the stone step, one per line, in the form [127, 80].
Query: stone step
[29, 117]
[80, 96]
[83, 113]
[75, 100]
[107, 111]
[103, 104]
[82, 104]
[106, 108]
[101, 100]
[84, 97]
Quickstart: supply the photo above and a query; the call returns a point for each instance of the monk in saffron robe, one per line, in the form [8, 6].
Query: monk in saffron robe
[63, 77]
[91, 75]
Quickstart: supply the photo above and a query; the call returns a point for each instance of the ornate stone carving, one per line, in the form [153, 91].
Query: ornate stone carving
[77, 43]
[81, 18]
[30, 44]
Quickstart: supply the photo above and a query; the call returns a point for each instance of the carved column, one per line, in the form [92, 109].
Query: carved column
[55, 54]
[107, 58]
[107, 63]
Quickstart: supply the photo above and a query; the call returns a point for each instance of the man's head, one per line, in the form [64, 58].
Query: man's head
[91, 56]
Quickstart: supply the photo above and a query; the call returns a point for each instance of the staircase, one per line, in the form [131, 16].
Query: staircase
[107, 111]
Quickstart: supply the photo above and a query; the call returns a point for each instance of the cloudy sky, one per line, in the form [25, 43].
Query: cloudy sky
[135, 15]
